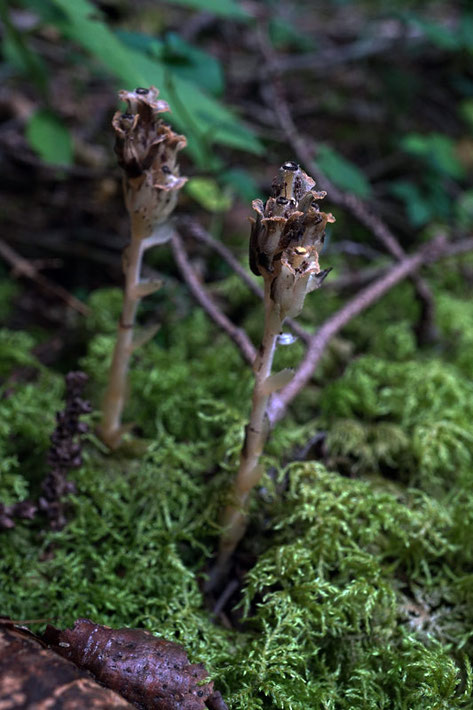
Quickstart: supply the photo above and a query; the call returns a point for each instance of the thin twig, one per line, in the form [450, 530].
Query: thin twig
[23, 267]
[332, 57]
[230, 589]
[350, 202]
[438, 249]
[238, 336]
[349, 280]
[355, 279]
[195, 230]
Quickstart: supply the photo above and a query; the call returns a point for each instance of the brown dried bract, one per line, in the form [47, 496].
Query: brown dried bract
[148, 671]
[32, 677]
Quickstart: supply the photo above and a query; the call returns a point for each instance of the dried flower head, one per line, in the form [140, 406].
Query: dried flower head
[286, 238]
[147, 151]
[65, 451]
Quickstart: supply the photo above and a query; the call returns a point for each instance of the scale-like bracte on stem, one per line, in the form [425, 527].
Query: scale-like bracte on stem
[286, 238]
[147, 152]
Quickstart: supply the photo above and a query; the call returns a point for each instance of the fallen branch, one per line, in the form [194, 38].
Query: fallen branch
[23, 267]
[355, 279]
[437, 249]
[238, 336]
[197, 232]
[330, 58]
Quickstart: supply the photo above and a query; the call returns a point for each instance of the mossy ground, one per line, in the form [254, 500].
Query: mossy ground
[362, 591]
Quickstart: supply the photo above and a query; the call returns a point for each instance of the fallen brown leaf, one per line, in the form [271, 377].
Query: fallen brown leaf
[150, 672]
[33, 677]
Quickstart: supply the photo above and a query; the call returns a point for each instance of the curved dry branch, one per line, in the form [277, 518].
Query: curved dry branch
[25, 268]
[438, 249]
[197, 232]
[238, 336]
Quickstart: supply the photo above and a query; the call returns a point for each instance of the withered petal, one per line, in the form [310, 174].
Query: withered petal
[135, 100]
[258, 206]
[174, 183]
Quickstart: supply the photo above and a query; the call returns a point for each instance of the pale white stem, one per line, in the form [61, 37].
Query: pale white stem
[111, 429]
[249, 473]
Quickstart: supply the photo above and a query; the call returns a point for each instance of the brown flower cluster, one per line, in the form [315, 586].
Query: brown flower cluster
[65, 452]
[286, 238]
[147, 151]
[64, 455]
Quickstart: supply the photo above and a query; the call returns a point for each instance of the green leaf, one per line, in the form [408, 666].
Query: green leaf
[215, 123]
[342, 172]
[45, 10]
[17, 52]
[191, 63]
[49, 137]
[242, 183]
[465, 30]
[204, 119]
[419, 210]
[223, 8]
[285, 34]
[437, 150]
[466, 112]
[440, 36]
[83, 25]
[207, 193]
[464, 210]
[180, 57]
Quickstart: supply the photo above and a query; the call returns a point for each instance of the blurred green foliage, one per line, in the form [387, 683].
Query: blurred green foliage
[181, 72]
[358, 591]
[343, 173]
[49, 137]
[433, 189]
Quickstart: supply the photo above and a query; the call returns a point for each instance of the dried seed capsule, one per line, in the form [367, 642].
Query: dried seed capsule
[289, 165]
[147, 151]
[287, 236]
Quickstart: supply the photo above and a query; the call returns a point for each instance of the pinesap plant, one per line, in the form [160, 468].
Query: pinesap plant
[147, 152]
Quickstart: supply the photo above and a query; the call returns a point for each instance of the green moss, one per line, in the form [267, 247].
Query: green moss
[455, 319]
[27, 415]
[105, 307]
[325, 600]
[415, 417]
[362, 592]
[330, 589]
[15, 351]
